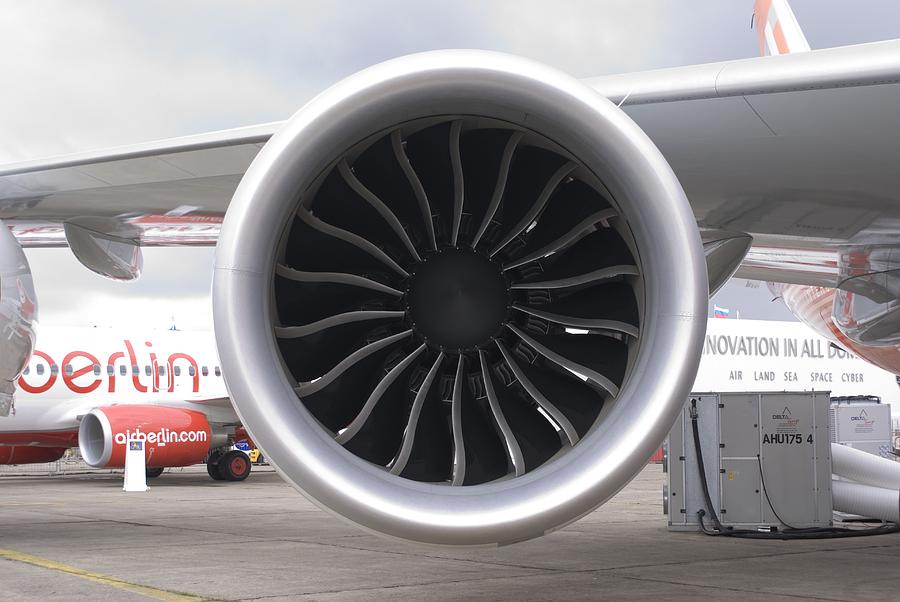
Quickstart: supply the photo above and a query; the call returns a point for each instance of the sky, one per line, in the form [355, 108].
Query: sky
[91, 74]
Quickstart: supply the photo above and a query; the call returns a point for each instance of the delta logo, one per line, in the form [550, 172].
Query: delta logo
[786, 417]
[785, 414]
[863, 418]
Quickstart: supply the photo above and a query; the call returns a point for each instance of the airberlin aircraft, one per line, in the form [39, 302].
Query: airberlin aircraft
[94, 388]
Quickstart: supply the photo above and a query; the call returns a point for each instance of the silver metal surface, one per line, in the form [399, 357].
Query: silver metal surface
[795, 265]
[18, 316]
[846, 66]
[607, 143]
[724, 253]
[106, 246]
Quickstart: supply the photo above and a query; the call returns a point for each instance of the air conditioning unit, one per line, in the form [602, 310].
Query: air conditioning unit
[862, 423]
[766, 460]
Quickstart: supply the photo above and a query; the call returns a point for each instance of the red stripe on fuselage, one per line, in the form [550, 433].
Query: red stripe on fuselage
[40, 438]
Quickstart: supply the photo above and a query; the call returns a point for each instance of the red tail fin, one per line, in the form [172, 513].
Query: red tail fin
[777, 28]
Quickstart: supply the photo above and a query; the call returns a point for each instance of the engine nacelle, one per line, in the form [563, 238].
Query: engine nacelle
[867, 300]
[18, 316]
[459, 298]
[816, 306]
[173, 436]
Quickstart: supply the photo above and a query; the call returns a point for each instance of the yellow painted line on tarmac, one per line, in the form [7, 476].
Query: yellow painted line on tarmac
[144, 590]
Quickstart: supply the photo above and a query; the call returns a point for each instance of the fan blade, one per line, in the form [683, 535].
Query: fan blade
[306, 297]
[587, 323]
[591, 277]
[529, 214]
[337, 398]
[310, 387]
[576, 400]
[398, 389]
[339, 205]
[412, 423]
[545, 404]
[294, 332]
[516, 460]
[486, 156]
[606, 306]
[579, 230]
[334, 278]
[428, 151]
[459, 186]
[572, 203]
[538, 439]
[431, 455]
[590, 349]
[311, 356]
[381, 170]
[418, 190]
[334, 256]
[483, 457]
[382, 209]
[599, 249]
[459, 450]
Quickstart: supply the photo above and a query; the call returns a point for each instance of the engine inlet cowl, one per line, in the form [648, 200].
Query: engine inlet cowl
[459, 298]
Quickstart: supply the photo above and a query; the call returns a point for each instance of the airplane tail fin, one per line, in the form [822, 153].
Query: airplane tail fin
[777, 28]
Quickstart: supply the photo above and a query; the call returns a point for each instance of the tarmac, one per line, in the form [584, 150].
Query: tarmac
[79, 537]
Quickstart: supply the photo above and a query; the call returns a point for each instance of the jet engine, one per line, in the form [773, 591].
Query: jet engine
[173, 436]
[459, 298]
[18, 316]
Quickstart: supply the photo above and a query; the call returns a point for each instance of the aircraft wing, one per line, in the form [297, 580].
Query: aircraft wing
[173, 192]
[799, 150]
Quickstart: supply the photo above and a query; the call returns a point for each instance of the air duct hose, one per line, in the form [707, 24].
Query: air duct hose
[863, 467]
[865, 500]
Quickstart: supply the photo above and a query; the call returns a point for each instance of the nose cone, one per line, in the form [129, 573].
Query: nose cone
[458, 299]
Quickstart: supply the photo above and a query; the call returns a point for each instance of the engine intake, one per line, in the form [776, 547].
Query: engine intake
[459, 298]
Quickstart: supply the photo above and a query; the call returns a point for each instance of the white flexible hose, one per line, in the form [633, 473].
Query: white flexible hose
[865, 468]
[865, 500]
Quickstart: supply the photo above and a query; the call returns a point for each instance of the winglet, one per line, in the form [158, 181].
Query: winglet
[777, 28]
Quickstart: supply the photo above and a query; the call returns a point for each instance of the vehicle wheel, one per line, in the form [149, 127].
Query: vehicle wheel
[234, 466]
[212, 466]
[152, 473]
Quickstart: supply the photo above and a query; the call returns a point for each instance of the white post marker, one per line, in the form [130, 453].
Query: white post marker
[135, 466]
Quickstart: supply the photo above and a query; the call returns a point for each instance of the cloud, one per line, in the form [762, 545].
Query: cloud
[86, 76]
